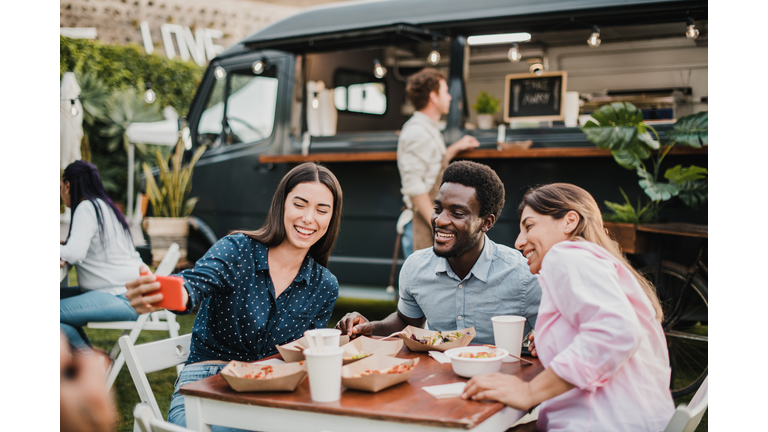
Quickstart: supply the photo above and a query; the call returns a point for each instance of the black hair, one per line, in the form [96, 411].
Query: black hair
[489, 190]
[85, 184]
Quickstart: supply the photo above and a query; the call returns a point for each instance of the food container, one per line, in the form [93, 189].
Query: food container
[516, 145]
[351, 374]
[365, 345]
[469, 367]
[251, 377]
[293, 351]
[467, 335]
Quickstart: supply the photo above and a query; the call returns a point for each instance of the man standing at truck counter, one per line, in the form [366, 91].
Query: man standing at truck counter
[465, 279]
[422, 156]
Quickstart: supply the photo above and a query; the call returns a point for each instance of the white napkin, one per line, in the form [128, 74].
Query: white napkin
[446, 390]
[273, 361]
[441, 357]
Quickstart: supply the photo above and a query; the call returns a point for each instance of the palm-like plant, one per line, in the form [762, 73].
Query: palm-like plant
[93, 97]
[619, 127]
[170, 198]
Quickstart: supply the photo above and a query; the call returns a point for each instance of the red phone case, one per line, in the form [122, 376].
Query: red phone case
[171, 287]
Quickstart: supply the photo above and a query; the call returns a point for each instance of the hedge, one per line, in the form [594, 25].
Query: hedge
[173, 81]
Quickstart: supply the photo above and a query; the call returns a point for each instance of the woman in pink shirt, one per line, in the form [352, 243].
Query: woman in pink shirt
[598, 333]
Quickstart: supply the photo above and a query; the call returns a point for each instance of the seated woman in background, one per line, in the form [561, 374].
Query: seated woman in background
[100, 246]
[598, 333]
[258, 289]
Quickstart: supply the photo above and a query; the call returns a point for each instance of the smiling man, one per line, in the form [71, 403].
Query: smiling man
[465, 279]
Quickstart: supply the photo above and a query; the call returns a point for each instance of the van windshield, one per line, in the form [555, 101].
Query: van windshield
[250, 108]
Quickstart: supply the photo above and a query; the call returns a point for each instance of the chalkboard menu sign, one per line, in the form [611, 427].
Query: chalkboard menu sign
[534, 97]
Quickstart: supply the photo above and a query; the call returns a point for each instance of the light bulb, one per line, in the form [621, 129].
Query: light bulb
[434, 57]
[219, 73]
[73, 109]
[149, 96]
[258, 67]
[691, 31]
[315, 102]
[379, 71]
[594, 40]
[514, 53]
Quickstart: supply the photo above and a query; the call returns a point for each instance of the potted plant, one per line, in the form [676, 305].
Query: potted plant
[486, 106]
[619, 127]
[170, 202]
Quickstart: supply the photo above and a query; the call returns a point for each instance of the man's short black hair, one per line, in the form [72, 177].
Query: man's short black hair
[489, 190]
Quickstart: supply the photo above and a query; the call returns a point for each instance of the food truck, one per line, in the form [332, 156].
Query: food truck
[328, 84]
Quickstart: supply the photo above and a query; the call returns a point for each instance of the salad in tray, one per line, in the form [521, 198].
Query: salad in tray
[438, 338]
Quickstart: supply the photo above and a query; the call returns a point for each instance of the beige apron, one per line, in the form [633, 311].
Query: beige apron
[422, 230]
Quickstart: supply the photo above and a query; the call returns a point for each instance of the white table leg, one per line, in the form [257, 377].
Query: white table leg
[193, 408]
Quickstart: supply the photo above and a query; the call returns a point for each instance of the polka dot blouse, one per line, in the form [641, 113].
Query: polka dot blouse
[239, 317]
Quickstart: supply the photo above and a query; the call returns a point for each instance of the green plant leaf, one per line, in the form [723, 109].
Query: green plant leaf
[691, 130]
[656, 191]
[694, 193]
[619, 127]
[680, 175]
[627, 159]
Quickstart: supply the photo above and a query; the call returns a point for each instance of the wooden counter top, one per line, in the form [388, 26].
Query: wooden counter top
[542, 152]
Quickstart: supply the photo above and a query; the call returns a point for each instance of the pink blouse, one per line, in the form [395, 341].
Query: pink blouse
[597, 330]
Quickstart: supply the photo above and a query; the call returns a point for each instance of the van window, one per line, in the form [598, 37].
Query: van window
[359, 92]
[250, 106]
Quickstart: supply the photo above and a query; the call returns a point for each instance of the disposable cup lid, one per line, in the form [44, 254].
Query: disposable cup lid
[507, 319]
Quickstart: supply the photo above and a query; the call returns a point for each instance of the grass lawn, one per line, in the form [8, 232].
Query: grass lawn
[162, 382]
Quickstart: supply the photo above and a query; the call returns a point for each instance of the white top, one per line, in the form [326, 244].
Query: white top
[420, 153]
[597, 330]
[101, 266]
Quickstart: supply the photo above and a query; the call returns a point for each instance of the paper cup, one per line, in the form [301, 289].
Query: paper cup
[508, 334]
[330, 336]
[325, 374]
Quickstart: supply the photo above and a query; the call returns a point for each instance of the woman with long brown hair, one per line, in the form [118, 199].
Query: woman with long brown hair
[258, 289]
[598, 332]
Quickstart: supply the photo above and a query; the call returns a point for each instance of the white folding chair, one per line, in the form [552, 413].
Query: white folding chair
[687, 417]
[147, 422]
[152, 357]
[156, 321]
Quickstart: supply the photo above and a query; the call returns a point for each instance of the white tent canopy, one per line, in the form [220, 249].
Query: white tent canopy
[70, 126]
[165, 132]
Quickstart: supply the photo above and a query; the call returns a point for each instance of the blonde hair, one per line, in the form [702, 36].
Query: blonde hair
[557, 199]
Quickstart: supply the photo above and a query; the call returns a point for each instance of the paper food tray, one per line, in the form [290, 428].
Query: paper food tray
[420, 332]
[375, 382]
[293, 351]
[286, 377]
[370, 346]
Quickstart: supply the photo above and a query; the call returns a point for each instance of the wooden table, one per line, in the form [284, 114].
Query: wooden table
[403, 407]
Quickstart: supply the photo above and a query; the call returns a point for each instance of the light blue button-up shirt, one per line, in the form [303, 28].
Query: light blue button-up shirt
[500, 283]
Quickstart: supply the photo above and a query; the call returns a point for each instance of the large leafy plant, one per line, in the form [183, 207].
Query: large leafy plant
[619, 127]
[169, 199]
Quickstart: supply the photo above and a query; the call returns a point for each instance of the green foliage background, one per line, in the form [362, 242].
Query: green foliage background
[121, 67]
[124, 70]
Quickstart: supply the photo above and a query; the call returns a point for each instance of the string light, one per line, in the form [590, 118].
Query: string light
[514, 53]
[594, 40]
[73, 109]
[219, 73]
[691, 32]
[315, 102]
[149, 95]
[379, 71]
[258, 66]
[434, 56]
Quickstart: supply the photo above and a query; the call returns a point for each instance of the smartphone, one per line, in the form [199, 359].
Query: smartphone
[171, 288]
